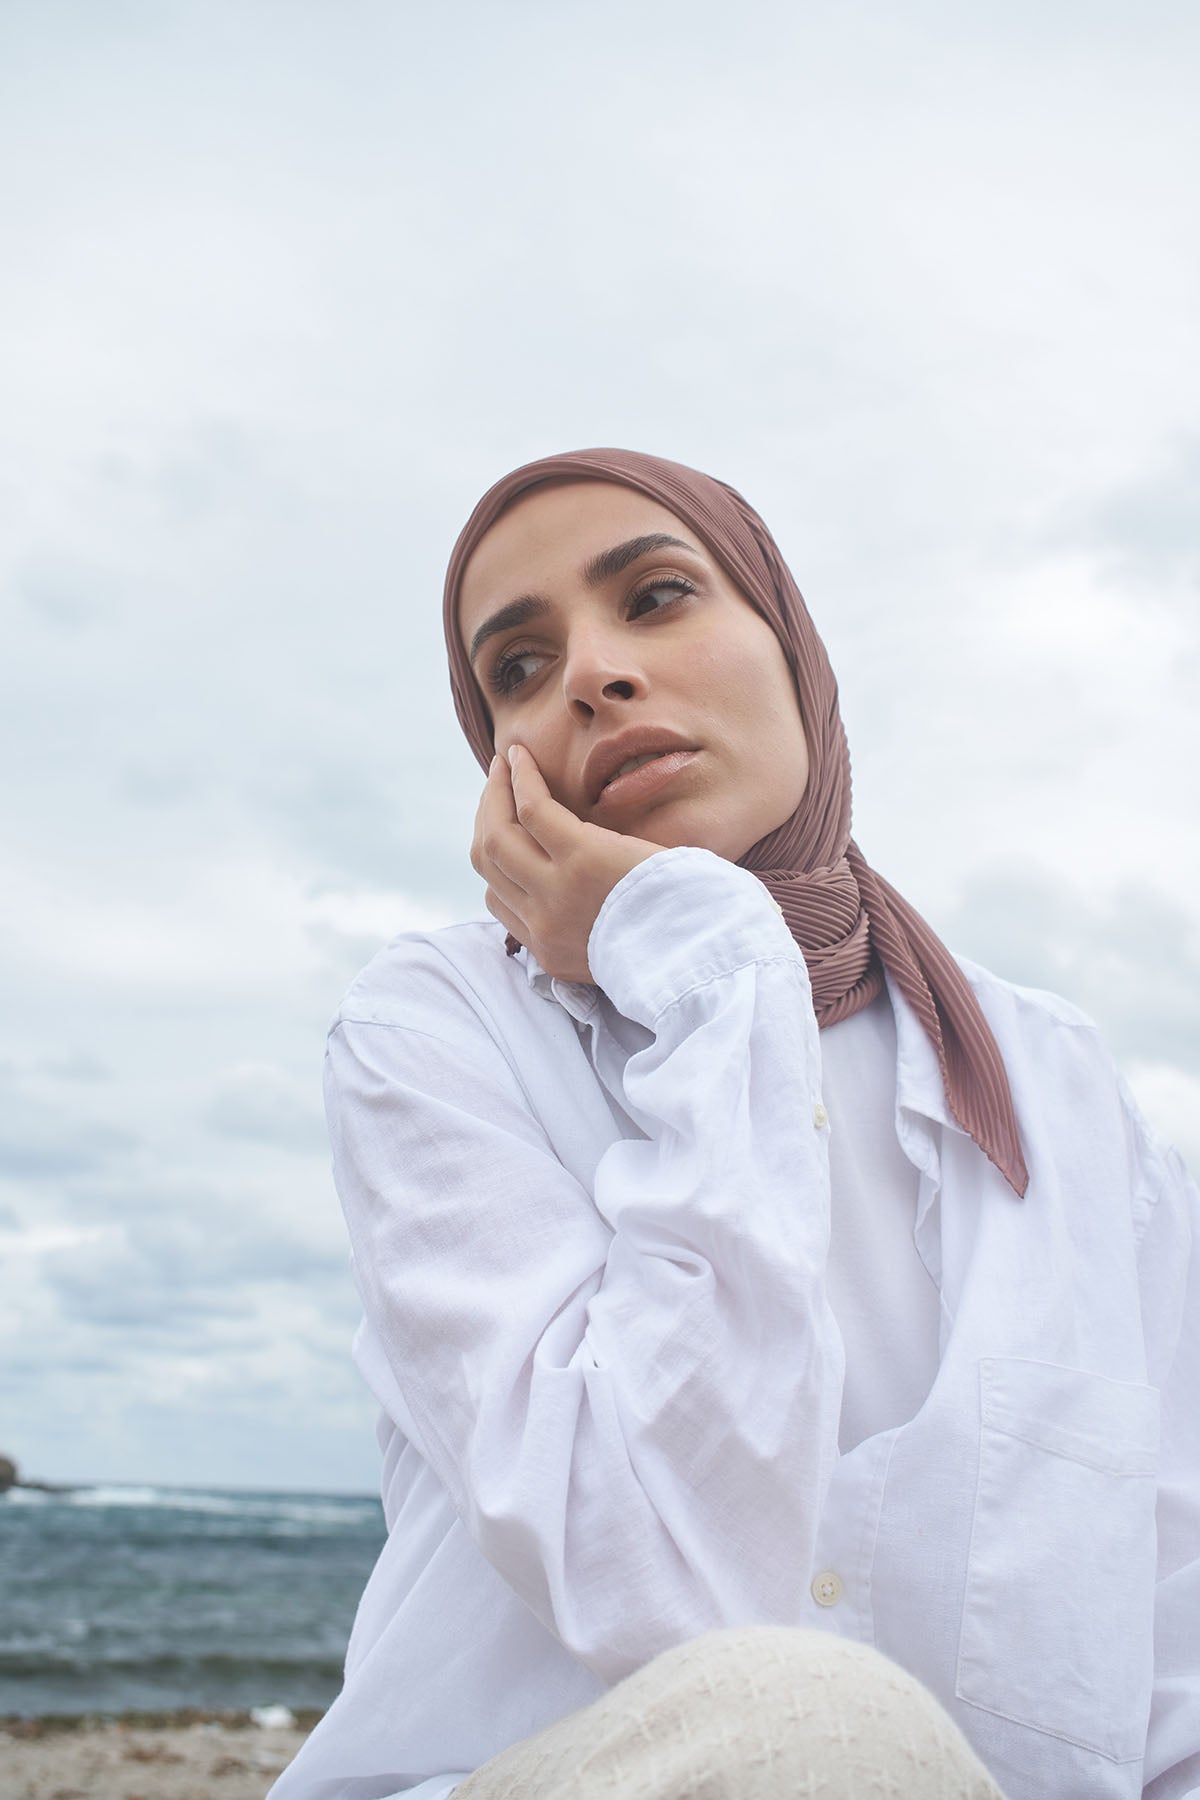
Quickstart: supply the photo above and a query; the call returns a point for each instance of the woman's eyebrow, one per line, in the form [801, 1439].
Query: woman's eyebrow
[517, 612]
[607, 563]
[597, 570]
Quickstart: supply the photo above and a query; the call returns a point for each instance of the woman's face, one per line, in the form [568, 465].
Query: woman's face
[603, 632]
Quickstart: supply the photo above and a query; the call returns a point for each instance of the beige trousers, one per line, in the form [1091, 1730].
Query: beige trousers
[765, 1713]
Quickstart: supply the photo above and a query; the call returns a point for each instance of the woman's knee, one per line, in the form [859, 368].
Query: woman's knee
[776, 1660]
[776, 1699]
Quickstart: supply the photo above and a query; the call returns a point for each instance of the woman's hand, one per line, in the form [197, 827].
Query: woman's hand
[547, 873]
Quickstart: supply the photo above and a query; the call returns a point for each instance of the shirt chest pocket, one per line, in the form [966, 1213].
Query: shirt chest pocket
[1058, 1619]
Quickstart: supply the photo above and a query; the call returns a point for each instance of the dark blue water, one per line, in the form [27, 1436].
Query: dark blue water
[115, 1599]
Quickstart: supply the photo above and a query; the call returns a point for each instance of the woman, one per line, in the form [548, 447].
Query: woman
[749, 1288]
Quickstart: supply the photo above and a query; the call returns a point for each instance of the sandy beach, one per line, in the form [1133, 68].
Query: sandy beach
[170, 1756]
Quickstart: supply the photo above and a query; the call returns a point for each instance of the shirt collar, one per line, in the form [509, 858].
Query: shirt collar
[579, 998]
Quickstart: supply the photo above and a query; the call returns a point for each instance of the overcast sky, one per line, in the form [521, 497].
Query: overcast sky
[285, 287]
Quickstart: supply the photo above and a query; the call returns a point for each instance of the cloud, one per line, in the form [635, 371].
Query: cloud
[67, 593]
[42, 1141]
[77, 1065]
[162, 1286]
[1129, 957]
[1150, 524]
[280, 304]
[265, 1104]
[1170, 1098]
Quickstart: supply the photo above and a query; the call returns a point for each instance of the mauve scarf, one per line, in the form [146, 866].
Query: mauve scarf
[850, 924]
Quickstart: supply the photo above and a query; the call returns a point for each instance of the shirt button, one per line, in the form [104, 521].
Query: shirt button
[827, 1588]
[820, 1116]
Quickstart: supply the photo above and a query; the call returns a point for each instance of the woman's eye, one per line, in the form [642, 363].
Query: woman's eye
[658, 595]
[515, 668]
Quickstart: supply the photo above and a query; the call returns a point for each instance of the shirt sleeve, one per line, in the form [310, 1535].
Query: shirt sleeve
[630, 1390]
[1170, 1275]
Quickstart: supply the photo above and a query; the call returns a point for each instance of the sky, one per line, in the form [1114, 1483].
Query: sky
[287, 286]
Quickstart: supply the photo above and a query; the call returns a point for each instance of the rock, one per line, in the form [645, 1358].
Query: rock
[10, 1477]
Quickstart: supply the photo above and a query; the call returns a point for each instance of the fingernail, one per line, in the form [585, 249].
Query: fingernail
[512, 756]
[493, 765]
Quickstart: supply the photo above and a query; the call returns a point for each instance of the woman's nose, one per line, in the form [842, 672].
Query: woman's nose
[600, 672]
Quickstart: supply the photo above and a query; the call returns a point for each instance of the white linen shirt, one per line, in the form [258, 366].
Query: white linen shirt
[590, 1229]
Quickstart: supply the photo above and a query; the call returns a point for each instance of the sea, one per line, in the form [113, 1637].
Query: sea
[119, 1599]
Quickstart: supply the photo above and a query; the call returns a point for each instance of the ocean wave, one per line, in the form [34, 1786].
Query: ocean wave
[130, 1595]
[289, 1510]
[109, 1496]
[22, 1666]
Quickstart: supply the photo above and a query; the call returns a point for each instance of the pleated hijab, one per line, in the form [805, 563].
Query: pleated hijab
[850, 924]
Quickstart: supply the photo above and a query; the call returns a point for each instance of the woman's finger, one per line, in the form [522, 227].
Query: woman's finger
[511, 921]
[495, 816]
[515, 897]
[551, 825]
[502, 847]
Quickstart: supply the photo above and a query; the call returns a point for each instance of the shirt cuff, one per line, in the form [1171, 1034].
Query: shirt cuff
[680, 919]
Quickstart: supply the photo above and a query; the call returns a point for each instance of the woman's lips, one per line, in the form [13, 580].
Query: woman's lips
[645, 781]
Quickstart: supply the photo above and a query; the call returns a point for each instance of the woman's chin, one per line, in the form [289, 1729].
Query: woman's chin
[682, 834]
